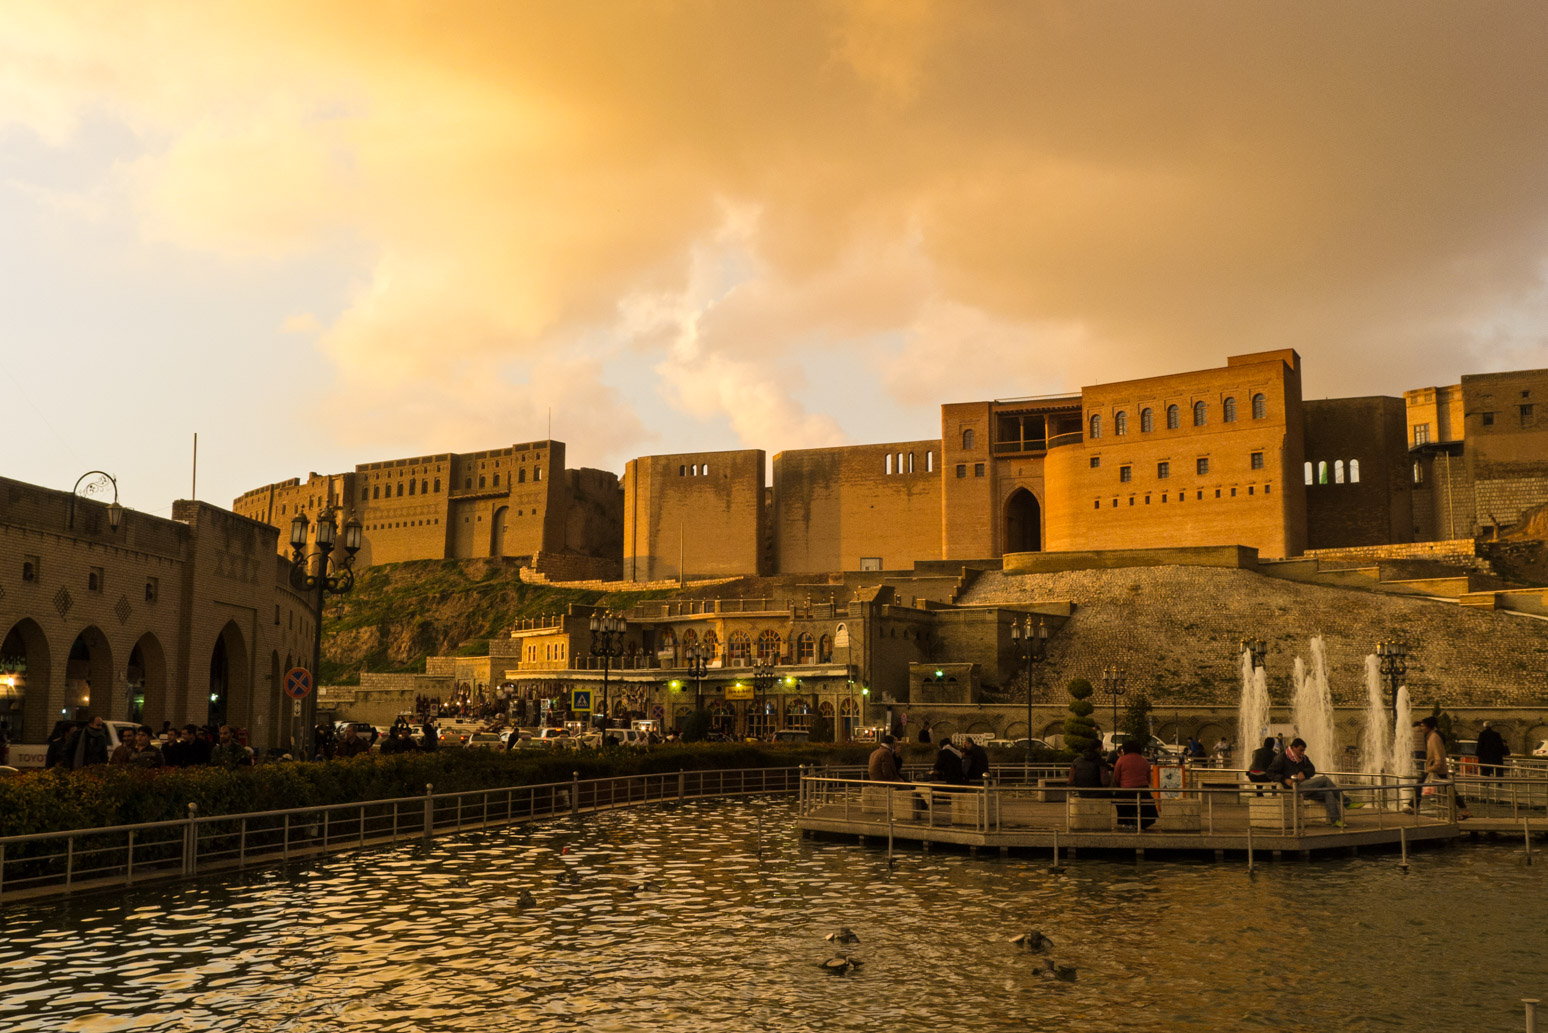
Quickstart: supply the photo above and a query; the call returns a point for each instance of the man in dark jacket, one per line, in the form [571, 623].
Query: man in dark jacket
[1262, 759]
[1294, 770]
[1492, 752]
[975, 763]
[883, 763]
[948, 764]
[91, 745]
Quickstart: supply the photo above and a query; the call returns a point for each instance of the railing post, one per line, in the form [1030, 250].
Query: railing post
[241, 846]
[2, 870]
[575, 792]
[680, 780]
[129, 868]
[429, 808]
[285, 846]
[70, 859]
[191, 837]
[362, 824]
[1531, 1013]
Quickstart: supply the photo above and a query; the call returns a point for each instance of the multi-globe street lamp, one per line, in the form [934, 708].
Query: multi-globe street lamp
[330, 577]
[1035, 643]
[698, 666]
[1393, 660]
[1258, 650]
[763, 681]
[607, 635]
[1113, 679]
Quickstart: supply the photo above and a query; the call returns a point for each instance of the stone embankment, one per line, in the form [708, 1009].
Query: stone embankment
[1177, 630]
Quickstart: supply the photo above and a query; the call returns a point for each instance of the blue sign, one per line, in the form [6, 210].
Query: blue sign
[580, 699]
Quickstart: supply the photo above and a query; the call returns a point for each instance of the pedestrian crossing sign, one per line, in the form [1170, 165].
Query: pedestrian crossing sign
[580, 699]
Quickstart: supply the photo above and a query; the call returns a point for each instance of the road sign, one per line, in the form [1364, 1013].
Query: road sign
[298, 683]
[580, 699]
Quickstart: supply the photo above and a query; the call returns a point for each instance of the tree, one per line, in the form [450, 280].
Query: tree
[1079, 729]
[821, 729]
[696, 725]
[1136, 720]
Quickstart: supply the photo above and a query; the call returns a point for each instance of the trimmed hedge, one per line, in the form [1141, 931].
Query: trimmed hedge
[100, 796]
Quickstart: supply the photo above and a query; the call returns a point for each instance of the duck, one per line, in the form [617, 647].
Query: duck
[840, 964]
[1033, 941]
[843, 934]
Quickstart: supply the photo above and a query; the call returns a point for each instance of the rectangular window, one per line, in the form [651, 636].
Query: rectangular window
[1526, 416]
[1125, 474]
[153, 589]
[1163, 470]
[1147, 500]
[1488, 419]
[276, 607]
[1097, 504]
[1096, 461]
[961, 469]
[1257, 460]
[94, 579]
[978, 469]
[1201, 466]
[870, 563]
[1250, 489]
[1265, 489]
[1421, 433]
[1233, 493]
[32, 568]
[1200, 498]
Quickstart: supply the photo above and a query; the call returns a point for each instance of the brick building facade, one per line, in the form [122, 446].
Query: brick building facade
[190, 619]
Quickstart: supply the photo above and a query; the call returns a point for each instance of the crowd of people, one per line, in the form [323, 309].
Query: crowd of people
[74, 745]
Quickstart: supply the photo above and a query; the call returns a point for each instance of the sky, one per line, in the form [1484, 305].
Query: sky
[323, 234]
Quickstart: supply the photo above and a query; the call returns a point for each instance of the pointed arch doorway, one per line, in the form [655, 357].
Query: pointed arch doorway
[1023, 522]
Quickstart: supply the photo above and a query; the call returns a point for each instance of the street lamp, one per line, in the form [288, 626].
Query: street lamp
[1113, 679]
[331, 577]
[763, 681]
[607, 634]
[1035, 642]
[698, 666]
[1393, 658]
[1257, 648]
[102, 483]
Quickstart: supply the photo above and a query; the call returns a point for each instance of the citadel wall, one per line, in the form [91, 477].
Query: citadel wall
[693, 514]
[1357, 473]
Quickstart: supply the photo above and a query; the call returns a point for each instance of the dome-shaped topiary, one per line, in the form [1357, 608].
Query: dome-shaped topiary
[1079, 728]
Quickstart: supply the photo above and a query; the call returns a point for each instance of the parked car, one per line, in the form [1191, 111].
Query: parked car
[1156, 748]
[1542, 749]
[549, 738]
[791, 735]
[1037, 744]
[486, 741]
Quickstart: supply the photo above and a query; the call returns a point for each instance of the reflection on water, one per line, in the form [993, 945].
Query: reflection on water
[665, 919]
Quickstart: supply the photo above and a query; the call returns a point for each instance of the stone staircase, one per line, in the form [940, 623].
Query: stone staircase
[1435, 570]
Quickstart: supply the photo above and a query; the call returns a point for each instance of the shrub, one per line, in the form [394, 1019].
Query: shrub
[1079, 728]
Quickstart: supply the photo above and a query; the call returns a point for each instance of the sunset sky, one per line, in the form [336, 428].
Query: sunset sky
[321, 234]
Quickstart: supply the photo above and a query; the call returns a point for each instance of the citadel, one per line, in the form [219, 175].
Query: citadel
[1140, 529]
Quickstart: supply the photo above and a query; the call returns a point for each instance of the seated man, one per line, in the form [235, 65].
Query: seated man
[1262, 759]
[1294, 770]
[1089, 773]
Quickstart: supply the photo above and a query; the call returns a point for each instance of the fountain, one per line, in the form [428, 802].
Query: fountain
[1375, 745]
[1401, 760]
[1252, 715]
[1312, 709]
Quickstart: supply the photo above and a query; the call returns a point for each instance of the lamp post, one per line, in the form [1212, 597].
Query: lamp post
[1113, 679]
[101, 484]
[763, 681]
[330, 577]
[698, 666]
[1035, 642]
[607, 634]
[1393, 658]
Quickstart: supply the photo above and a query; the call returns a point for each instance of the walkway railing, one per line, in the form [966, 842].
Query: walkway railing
[51, 863]
[1212, 801]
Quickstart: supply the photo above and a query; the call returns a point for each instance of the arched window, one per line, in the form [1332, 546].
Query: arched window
[424, 487]
[911, 462]
[824, 651]
[738, 649]
[1200, 411]
[806, 649]
[768, 645]
[967, 438]
[1354, 471]
[1322, 472]
[889, 462]
[1096, 425]
[481, 481]
[696, 469]
[400, 489]
[900, 462]
[704, 469]
[1308, 473]
[666, 647]
[1173, 417]
[496, 480]
[1228, 410]
[711, 645]
[438, 485]
[1259, 407]
[929, 462]
[690, 639]
[1120, 423]
[1147, 421]
[376, 493]
[1338, 471]
[412, 485]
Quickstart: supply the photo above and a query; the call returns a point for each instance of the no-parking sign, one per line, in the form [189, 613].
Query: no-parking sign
[298, 683]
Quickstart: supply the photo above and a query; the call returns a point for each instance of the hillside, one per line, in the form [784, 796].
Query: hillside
[400, 613]
[1177, 630]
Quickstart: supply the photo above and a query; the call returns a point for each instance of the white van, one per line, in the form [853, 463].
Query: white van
[35, 755]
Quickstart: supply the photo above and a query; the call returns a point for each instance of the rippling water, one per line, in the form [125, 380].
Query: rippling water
[666, 919]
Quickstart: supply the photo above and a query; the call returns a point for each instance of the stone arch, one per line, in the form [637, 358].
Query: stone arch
[229, 678]
[1211, 732]
[497, 531]
[89, 671]
[27, 658]
[1052, 728]
[980, 727]
[768, 645]
[1534, 735]
[1023, 522]
[146, 678]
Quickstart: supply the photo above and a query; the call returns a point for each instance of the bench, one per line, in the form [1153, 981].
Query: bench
[1086, 814]
[1181, 815]
[1052, 790]
[1273, 809]
[874, 800]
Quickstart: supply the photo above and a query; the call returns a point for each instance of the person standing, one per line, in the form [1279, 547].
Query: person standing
[883, 763]
[1089, 773]
[228, 752]
[1492, 752]
[948, 764]
[140, 753]
[924, 732]
[352, 745]
[91, 745]
[1437, 765]
[975, 762]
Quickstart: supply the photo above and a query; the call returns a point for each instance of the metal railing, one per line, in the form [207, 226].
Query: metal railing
[50, 863]
[1212, 802]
